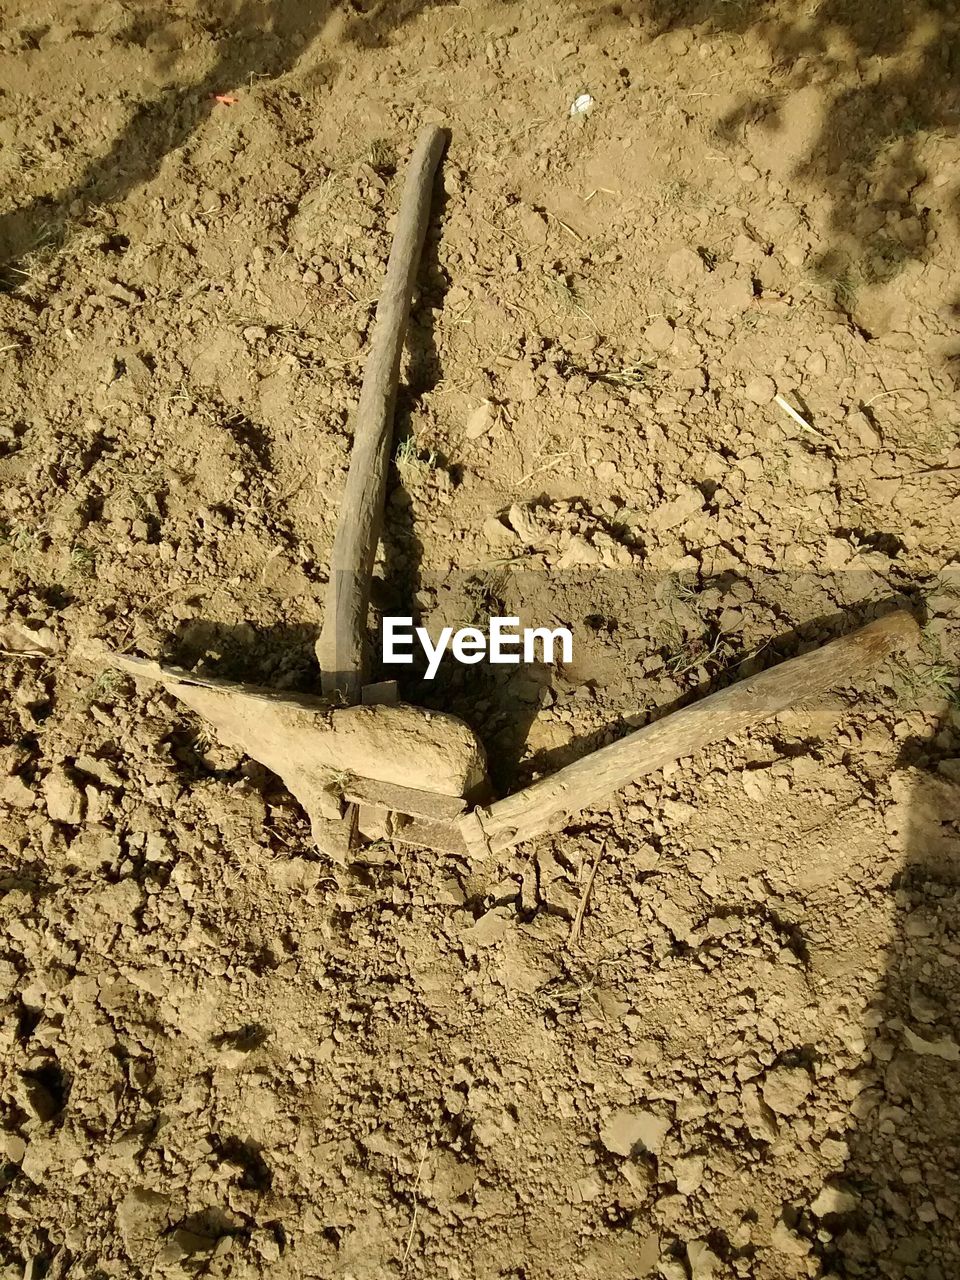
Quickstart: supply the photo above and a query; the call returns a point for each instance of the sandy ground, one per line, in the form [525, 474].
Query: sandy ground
[222, 1055]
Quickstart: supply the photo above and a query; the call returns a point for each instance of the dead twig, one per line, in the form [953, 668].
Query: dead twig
[577, 923]
[416, 1204]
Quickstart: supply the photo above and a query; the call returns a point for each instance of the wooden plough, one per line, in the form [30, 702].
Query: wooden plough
[364, 765]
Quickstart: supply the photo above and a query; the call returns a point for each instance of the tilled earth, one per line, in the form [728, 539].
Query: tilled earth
[223, 1055]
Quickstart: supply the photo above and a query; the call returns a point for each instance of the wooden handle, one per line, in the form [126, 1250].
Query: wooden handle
[340, 649]
[538, 808]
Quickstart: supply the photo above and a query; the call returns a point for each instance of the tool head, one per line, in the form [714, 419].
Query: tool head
[411, 771]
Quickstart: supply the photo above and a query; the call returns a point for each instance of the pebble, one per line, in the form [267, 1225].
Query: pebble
[761, 390]
[489, 929]
[627, 1130]
[833, 1199]
[734, 297]
[672, 1269]
[479, 422]
[835, 1150]
[659, 334]
[578, 552]
[685, 266]
[671, 514]
[688, 1174]
[120, 901]
[945, 1047]
[64, 799]
[786, 1241]
[15, 792]
[13, 1147]
[36, 1100]
[496, 532]
[759, 1119]
[786, 1089]
[701, 1260]
[534, 226]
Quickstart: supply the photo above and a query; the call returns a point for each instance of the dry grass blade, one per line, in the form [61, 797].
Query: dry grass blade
[577, 923]
[416, 1205]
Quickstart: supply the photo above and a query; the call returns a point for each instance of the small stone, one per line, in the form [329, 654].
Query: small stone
[525, 524]
[757, 783]
[691, 379]
[122, 293]
[659, 334]
[65, 801]
[480, 421]
[746, 252]
[93, 847]
[786, 1089]
[924, 1008]
[672, 1269]
[120, 901]
[684, 266]
[701, 1260]
[184, 1244]
[748, 173]
[265, 1243]
[833, 1199]
[578, 552]
[231, 1059]
[734, 297]
[489, 929]
[496, 532]
[945, 1047]
[13, 1147]
[674, 918]
[761, 390]
[786, 1241]
[760, 1121]
[451, 892]
[37, 1100]
[589, 1188]
[688, 1174]
[27, 637]
[835, 1151]
[534, 226]
[15, 792]
[559, 899]
[669, 515]
[627, 1130]
[142, 1215]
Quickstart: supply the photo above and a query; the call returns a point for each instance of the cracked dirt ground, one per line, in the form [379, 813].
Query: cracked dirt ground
[221, 1055]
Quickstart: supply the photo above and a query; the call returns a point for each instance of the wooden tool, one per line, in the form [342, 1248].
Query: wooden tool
[419, 772]
[341, 647]
[363, 764]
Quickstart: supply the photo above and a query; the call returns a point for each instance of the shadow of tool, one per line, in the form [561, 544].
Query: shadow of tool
[901, 1180]
[415, 467]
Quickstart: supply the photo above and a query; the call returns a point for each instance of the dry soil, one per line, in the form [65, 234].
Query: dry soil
[222, 1055]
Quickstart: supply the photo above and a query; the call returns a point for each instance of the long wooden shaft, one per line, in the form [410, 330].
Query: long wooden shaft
[340, 649]
[540, 807]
